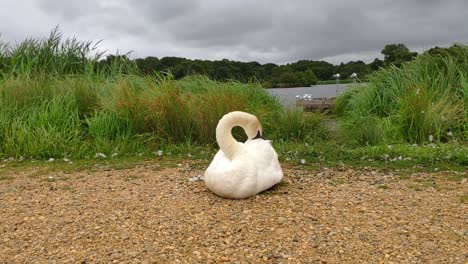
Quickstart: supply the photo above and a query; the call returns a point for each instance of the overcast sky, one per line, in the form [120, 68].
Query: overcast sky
[246, 30]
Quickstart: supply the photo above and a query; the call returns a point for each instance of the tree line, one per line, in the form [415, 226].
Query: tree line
[300, 73]
[54, 55]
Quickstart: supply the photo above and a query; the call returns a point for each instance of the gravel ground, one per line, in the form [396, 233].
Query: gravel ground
[152, 215]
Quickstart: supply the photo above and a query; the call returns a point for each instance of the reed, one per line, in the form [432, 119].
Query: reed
[423, 101]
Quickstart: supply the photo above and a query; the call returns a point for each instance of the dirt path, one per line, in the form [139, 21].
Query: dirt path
[146, 215]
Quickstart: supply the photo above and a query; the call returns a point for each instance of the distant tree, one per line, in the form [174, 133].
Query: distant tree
[322, 69]
[223, 73]
[170, 62]
[266, 71]
[288, 79]
[358, 67]
[307, 78]
[284, 76]
[180, 70]
[376, 64]
[397, 54]
[148, 65]
[300, 73]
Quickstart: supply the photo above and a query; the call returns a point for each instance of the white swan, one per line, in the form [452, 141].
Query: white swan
[240, 170]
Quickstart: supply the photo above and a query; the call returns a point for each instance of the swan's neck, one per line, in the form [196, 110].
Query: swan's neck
[227, 143]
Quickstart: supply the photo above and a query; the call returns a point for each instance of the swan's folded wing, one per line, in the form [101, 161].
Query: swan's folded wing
[231, 179]
[269, 170]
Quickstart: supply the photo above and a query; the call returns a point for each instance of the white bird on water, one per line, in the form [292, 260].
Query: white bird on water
[240, 170]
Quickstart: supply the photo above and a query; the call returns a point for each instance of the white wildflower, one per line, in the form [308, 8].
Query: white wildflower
[100, 155]
[303, 161]
[389, 146]
[431, 138]
[449, 133]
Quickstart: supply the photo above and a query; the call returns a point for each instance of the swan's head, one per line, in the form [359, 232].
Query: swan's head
[253, 129]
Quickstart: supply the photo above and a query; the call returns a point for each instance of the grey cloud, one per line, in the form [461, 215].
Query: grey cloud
[69, 10]
[162, 11]
[265, 31]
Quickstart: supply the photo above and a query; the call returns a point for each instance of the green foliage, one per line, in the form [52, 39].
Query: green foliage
[44, 128]
[57, 56]
[308, 78]
[358, 67]
[422, 101]
[341, 105]
[295, 125]
[77, 116]
[376, 64]
[397, 54]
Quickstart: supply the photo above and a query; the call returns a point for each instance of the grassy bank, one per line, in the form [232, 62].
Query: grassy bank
[75, 116]
[424, 101]
[59, 100]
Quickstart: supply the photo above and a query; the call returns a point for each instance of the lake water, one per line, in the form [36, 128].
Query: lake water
[287, 96]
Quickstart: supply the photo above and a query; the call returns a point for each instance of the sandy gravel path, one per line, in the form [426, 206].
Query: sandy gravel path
[151, 215]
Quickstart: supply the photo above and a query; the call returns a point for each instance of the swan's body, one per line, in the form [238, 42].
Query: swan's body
[240, 170]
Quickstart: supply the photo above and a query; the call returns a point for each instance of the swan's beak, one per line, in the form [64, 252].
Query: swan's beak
[259, 135]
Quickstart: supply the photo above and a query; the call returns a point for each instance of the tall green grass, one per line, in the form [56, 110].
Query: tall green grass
[45, 128]
[46, 116]
[423, 101]
[58, 56]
